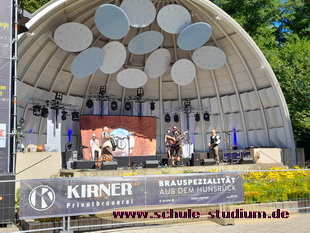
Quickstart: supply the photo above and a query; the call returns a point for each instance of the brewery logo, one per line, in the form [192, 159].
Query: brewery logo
[41, 198]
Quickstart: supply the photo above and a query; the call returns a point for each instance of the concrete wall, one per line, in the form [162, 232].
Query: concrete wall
[37, 165]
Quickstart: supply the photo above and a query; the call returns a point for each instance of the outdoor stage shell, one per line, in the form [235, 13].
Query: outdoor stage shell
[242, 96]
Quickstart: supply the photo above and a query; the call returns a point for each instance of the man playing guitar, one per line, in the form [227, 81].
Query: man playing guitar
[213, 145]
[176, 147]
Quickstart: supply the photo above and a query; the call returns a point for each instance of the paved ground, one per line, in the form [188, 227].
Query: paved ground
[298, 223]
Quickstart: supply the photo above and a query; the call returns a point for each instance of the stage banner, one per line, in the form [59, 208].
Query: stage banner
[134, 136]
[5, 75]
[92, 195]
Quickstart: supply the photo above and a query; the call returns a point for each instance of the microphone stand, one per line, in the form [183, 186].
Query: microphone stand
[128, 151]
[230, 150]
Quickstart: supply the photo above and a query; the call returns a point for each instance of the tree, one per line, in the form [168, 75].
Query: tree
[291, 65]
[33, 5]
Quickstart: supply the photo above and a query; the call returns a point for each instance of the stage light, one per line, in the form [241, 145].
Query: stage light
[167, 118]
[187, 103]
[197, 117]
[36, 110]
[176, 118]
[127, 106]
[114, 105]
[140, 92]
[75, 116]
[89, 103]
[152, 106]
[102, 90]
[206, 116]
[44, 112]
[64, 115]
[58, 96]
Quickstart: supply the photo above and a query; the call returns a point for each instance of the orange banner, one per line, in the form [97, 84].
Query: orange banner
[134, 135]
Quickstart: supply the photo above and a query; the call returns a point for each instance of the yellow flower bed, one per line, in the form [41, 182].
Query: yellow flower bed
[276, 185]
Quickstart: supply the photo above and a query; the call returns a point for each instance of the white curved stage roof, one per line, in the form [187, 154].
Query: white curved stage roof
[231, 79]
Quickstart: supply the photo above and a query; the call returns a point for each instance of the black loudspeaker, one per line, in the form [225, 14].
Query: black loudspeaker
[205, 162]
[83, 165]
[247, 160]
[7, 199]
[195, 161]
[150, 164]
[111, 165]
[166, 161]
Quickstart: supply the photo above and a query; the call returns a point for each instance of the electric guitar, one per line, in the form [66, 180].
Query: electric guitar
[214, 144]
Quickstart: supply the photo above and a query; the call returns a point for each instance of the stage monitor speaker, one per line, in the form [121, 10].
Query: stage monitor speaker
[195, 160]
[83, 165]
[205, 162]
[247, 160]
[110, 165]
[7, 198]
[150, 164]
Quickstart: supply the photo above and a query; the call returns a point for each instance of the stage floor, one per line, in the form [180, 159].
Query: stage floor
[125, 171]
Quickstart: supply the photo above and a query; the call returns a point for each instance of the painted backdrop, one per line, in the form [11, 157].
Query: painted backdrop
[135, 136]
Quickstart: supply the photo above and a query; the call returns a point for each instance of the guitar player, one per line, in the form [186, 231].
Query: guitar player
[176, 148]
[213, 145]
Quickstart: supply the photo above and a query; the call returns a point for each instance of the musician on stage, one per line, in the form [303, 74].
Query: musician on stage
[213, 145]
[94, 146]
[106, 143]
[169, 140]
[176, 150]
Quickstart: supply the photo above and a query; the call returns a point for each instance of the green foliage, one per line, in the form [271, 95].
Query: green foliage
[33, 5]
[17, 201]
[291, 64]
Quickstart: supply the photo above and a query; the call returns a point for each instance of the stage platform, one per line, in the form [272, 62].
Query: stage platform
[125, 171]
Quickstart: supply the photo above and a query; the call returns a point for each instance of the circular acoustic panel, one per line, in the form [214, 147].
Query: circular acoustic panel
[209, 57]
[112, 21]
[194, 36]
[115, 56]
[145, 42]
[87, 62]
[183, 72]
[141, 13]
[173, 18]
[73, 37]
[157, 63]
[131, 78]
